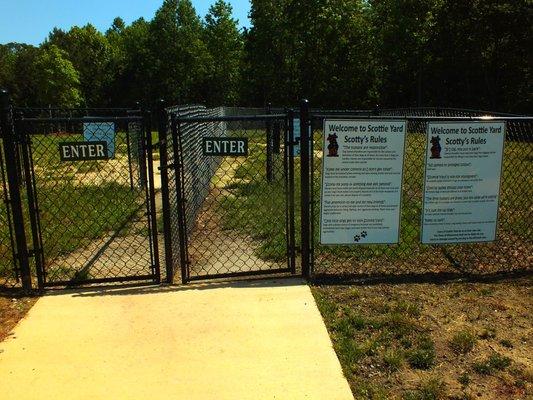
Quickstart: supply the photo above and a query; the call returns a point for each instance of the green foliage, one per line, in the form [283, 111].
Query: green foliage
[225, 46]
[431, 389]
[463, 341]
[422, 356]
[56, 79]
[339, 53]
[495, 362]
[90, 53]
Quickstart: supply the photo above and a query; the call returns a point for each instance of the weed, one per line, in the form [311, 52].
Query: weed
[393, 359]
[462, 342]
[365, 390]
[506, 343]
[488, 333]
[486, 291]
[431, 389]
[464, 379]
[495, 362]
[423, 355]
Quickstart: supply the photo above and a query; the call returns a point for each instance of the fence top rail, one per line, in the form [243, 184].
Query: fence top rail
[85, 109]
[422, 118]
[82, 119]
[264, 117]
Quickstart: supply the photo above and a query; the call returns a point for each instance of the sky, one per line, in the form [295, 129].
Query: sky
[30, 21]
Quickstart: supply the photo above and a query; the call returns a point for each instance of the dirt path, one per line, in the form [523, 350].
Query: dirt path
[215, 250]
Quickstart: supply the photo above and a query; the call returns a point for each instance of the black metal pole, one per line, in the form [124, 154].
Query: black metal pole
[182, 218]
[8, 132]
[269, 147]
[290, 158]
[151, 199]
[305, 196]
[163, 167]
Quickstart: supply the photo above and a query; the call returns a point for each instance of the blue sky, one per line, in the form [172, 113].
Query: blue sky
[29, 21]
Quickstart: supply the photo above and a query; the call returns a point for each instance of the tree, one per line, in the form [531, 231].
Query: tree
[56, 79]
[180, 58]
[401, 31]
[225, 46]
[90, 53]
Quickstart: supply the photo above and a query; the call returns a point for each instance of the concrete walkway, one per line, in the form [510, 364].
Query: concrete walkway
[239, 340]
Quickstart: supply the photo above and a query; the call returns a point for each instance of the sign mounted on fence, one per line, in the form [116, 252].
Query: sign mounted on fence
[297, 137]
[225, 146]
[101, 132]
[462, 182]
[362, 169]
[81, 151]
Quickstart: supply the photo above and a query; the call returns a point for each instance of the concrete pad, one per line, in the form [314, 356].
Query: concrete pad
[238, 340]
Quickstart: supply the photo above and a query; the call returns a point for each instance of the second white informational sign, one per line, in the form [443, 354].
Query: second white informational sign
[362, 168]
[462, 182]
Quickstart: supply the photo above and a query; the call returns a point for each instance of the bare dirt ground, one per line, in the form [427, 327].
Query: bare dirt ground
[12, 310]
[429, 341]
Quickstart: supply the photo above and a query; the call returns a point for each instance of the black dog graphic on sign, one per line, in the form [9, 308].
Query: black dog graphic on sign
[333, 146]
[435, 147]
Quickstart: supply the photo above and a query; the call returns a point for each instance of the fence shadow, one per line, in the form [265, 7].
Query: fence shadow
[428, 277]
[135, 289]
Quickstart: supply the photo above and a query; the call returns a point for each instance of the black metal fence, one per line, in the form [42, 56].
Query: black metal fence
[511, 252]
[85, 186]
[66, 222]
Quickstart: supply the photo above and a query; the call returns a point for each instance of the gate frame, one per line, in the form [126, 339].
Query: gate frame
[178, 166]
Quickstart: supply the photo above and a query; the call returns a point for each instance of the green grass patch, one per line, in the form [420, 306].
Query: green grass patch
[463, 341]
[495, 362]
[433, 388]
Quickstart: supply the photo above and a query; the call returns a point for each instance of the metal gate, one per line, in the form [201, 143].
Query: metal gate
[230, 184]
[87, 179]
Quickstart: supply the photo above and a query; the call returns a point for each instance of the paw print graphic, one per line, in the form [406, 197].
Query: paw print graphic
[356, 238]
[363, 234]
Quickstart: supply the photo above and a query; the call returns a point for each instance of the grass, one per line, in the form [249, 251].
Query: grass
[253, 205]
[495, 362]
[392, 344]
[463, 341]
[431, 389]
[384, 334]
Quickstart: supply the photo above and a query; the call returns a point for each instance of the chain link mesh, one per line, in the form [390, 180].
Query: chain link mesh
[93, 214]
[512, 251]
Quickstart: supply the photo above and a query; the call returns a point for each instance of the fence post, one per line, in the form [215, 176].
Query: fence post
[269, 147]
[162, 129]
[149, 184]
[10, 145]
[305, 194]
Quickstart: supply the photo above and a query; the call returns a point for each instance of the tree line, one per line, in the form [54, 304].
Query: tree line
[337, 53]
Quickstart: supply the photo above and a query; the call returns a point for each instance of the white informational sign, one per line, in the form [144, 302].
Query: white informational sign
[101, 132]
[462, 181]
[362, 168]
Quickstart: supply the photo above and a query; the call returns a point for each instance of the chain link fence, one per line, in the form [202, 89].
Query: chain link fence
[511, 252]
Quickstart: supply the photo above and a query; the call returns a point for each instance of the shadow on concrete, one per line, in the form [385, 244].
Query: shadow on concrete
[136, 289]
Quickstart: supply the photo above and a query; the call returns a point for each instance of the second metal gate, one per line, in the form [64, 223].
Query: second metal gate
[231, 194]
